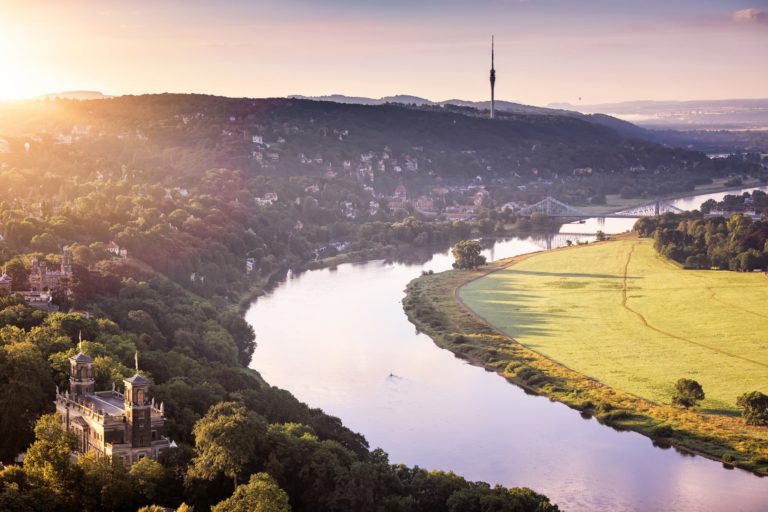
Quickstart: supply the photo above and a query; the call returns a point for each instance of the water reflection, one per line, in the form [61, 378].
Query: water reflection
[336, 338]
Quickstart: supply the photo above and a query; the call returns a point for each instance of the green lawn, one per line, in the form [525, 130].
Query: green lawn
[627, 317]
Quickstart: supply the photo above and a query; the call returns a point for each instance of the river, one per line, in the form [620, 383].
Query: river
[339, 340]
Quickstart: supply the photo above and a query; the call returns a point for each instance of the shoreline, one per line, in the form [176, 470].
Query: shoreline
[433, 305]
[704, 190]
[247, 298]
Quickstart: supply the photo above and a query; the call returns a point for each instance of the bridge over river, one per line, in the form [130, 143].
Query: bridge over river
[551, 207]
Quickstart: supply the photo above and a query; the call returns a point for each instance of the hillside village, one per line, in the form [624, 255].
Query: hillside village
[307, 179]
[263, 138]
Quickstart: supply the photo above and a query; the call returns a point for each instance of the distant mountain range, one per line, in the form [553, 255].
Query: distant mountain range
[684, 115]
[75, 95]
[625, 128]
[507, 106]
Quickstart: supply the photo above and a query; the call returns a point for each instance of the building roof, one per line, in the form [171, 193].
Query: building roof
[108, 402]
[137, 379]
[81, 358]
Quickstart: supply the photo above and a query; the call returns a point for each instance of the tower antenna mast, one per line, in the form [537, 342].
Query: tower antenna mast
[493, 81]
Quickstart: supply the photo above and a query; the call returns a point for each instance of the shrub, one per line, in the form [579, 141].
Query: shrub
[687, 393]
[754, 408]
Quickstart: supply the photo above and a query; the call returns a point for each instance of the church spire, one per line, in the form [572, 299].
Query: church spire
[493, 80]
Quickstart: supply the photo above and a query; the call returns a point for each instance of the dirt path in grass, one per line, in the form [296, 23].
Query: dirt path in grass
[625, 305]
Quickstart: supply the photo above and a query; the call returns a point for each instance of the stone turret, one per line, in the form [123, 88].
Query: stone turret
[138, 409]
[66, 261]
[81, 381]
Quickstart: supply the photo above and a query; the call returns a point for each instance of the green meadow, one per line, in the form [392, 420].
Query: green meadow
[625, 316]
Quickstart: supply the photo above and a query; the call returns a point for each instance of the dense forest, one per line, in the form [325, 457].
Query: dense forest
[195, 133]
[728, 243]
[167, 233]
[175, 208]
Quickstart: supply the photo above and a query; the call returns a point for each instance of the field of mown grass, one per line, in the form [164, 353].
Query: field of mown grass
[624, 316]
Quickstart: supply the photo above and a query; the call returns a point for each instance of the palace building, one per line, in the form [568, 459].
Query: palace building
[42, 279]
[126, 425]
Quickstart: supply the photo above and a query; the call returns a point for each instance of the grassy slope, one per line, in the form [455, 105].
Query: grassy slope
[432, 305]
[570, 306]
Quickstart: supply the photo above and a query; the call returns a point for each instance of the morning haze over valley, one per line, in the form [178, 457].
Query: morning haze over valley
[437, 256]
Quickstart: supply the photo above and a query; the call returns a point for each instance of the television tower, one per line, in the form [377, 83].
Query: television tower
[493, 82]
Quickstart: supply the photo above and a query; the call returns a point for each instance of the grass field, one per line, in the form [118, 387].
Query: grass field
[621, 314]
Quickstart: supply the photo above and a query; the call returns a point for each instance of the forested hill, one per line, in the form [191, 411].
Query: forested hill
[173, 209]
[449, 142]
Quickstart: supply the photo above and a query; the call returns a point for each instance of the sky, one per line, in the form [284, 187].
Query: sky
[575, 51]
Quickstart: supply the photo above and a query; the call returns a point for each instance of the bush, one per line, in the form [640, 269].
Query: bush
[687, 393]
[754, 408]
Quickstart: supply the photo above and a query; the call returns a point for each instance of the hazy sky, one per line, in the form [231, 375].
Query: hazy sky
[546, 51]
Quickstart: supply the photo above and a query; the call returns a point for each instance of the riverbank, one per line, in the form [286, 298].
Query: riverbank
[433, 305]
[614, 202]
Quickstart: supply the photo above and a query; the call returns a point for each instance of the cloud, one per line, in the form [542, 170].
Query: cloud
[750, 16]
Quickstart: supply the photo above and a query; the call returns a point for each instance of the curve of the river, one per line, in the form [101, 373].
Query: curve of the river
[339, 340]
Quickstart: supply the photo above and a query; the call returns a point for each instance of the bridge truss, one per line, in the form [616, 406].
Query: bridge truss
[648, 210]
[551, 207]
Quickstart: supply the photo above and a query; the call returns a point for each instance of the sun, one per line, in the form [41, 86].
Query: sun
[22, 75]
[12, 73]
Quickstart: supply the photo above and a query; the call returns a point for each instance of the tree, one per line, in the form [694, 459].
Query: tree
[26, 391]
[149, 477]
[83, 255]
[687, 393]
[755, 408]
[105, 483]
[467, 254]
[226, 438]
[600, 236]
[18, 274]
[242, 333]
[19, 494]
[49, 458]
[44, 242]
[708, 205]
[260, 494]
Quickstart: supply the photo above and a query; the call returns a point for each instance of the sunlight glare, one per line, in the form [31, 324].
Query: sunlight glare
[25, 69]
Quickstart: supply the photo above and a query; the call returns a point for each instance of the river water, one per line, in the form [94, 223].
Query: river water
[339, 340]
